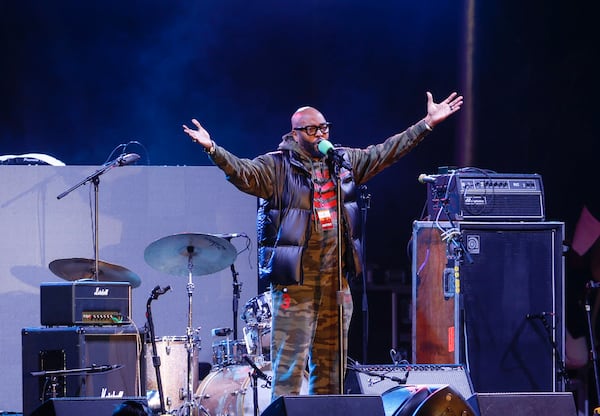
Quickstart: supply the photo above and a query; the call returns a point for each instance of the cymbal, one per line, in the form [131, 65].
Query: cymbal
[82, 269]
[171, 254]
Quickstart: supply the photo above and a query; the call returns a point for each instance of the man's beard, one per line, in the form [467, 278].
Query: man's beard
[311, 148]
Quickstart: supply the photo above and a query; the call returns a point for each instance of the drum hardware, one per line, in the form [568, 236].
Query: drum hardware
[221, 332]
[227, 352]
[175, 255]
[257, 315]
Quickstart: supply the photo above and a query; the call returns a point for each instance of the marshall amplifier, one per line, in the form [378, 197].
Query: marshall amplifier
[482, 196]
[85, 303]
[99, 362]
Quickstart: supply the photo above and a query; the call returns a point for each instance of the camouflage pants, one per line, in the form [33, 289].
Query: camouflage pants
[304, 328]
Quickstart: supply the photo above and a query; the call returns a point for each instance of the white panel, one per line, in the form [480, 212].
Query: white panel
[137, 205]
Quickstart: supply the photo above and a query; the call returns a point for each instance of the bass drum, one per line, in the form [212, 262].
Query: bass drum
[228, 391]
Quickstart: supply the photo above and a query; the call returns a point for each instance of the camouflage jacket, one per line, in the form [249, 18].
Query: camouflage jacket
[282, 180]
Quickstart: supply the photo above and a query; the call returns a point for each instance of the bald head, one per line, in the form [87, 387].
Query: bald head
[306, 116]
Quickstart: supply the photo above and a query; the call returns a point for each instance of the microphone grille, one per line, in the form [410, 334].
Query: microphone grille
[324, 146]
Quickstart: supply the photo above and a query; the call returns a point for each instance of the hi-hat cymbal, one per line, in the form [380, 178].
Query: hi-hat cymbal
[179, 254]
[83, 269]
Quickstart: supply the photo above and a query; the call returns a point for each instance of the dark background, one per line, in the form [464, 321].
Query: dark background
[79, 78]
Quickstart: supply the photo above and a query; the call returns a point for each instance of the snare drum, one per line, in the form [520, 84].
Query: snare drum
[173, 369]
[228, 391]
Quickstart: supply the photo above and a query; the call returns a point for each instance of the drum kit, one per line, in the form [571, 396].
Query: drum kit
[236, 364]
[173, 371]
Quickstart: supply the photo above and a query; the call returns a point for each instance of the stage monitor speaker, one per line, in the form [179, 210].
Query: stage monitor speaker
[494, 304]
[425, 400]
[79, 362]
[526, 404]
[377, 379]
[330, 405]
[71, 406]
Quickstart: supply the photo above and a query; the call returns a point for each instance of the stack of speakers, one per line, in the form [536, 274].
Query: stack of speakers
[70, 366]
[488, 288]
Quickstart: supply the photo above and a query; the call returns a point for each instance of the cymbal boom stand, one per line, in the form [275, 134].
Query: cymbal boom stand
[189, 344]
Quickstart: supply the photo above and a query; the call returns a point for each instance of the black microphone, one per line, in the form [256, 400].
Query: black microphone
[231, 235]
[326, 148]
[103, 368]
[157, 291]
[423, 178]
[540, 315]
[258, 370]
[127, 159]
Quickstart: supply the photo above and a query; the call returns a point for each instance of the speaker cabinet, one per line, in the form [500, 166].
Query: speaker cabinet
[79, 362]
[425, 400]
[526, 404]
[490, 296]
[330, 405]
[84, 405]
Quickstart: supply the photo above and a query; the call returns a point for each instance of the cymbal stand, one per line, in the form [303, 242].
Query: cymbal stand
[189, 344]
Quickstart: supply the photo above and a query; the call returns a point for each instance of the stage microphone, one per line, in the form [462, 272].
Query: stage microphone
[157, 291]
[423, 178]
[540, 315]
[327, 149]
[104, 368]
[127, 159]
[231, 235]
[255, 368]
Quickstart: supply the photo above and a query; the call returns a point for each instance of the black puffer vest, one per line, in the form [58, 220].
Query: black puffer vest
[283, 222]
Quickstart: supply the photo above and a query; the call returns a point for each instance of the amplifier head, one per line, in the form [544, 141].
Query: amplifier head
[85, 303]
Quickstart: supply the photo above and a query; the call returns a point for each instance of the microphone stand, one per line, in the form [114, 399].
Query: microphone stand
[95, 179]
[561, 364]
[340, 294]
[237, 289]
[594, 353]
[399, 380]
[256, 374]
[52, 376]
[155, 356]
[366, 204]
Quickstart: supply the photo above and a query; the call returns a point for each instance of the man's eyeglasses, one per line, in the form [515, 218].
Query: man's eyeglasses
[312, 130]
